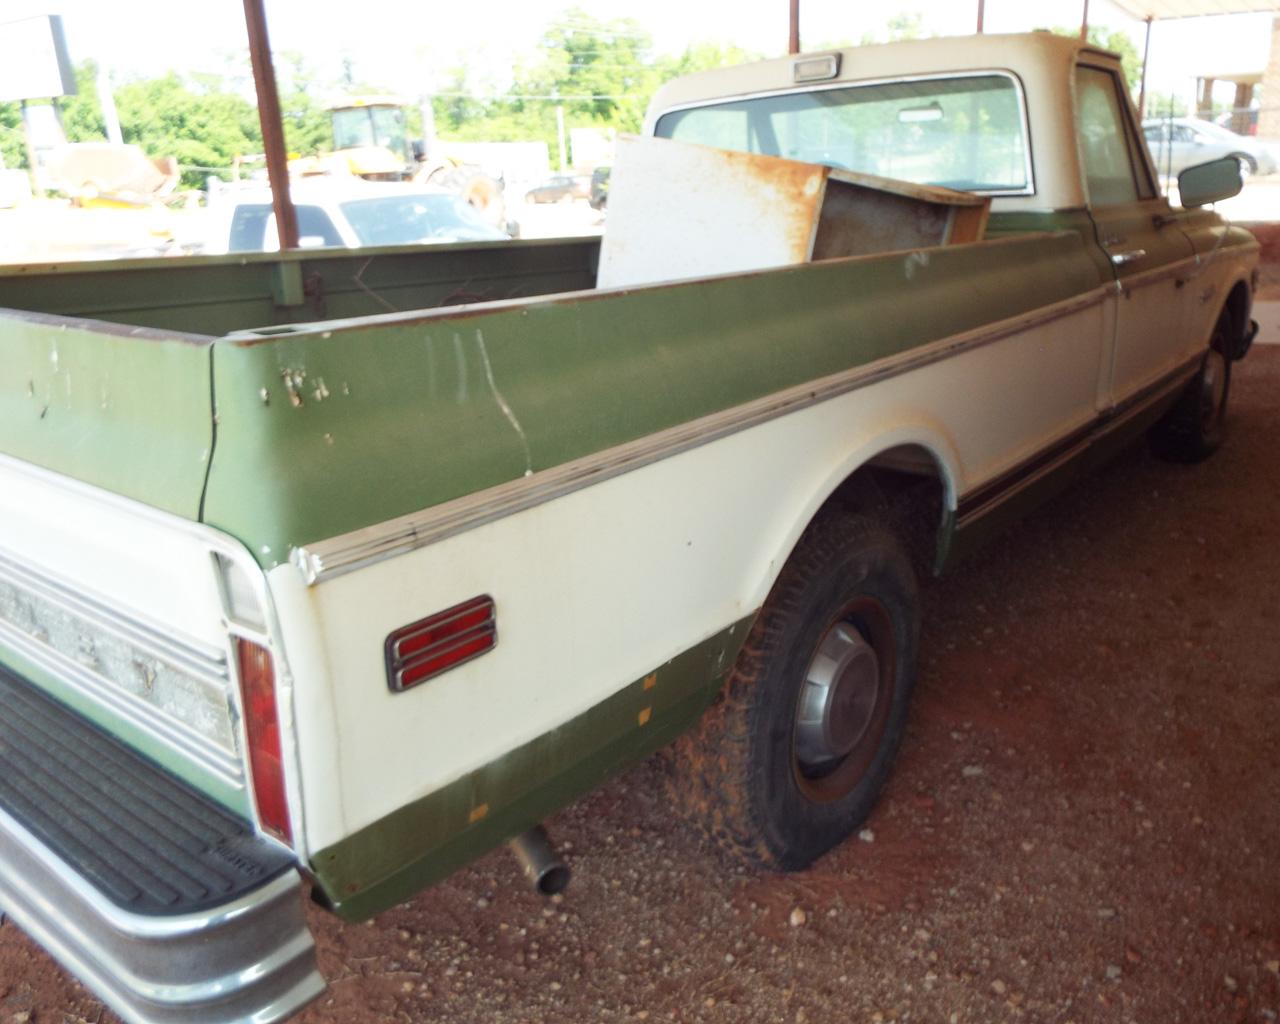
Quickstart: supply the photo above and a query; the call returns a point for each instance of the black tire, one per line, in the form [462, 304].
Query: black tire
[768, 779]
[1195, 428]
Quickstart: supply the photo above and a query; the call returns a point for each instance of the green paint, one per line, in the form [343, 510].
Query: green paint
[235, 800]
[128, 414]
[1021, 222]
[396, 415]
[216, 295]
[424, 842]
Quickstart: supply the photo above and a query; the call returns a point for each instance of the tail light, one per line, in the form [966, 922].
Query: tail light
[424, 649]
[262, 726]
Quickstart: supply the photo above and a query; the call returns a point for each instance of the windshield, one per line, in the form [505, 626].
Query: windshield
[400, 220]
[965, 133]
[370, 126]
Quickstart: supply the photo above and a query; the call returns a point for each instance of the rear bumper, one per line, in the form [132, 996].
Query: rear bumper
[161, 901]
[251, 959]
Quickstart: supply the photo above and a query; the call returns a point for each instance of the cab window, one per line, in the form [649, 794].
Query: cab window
[1108, 154]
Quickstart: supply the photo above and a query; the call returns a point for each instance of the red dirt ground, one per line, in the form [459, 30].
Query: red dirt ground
[1083, 825]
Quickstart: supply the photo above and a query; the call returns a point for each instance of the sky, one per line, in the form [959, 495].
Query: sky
[405, 47]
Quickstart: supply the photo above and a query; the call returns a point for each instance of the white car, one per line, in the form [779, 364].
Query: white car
[347, 214]
[1181, 142]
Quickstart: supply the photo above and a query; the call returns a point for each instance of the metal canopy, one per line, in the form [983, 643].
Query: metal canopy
[1160, 10]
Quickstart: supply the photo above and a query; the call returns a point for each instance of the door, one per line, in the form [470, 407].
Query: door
[1149, 256]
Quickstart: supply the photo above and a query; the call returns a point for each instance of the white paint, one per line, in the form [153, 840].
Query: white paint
[599, 587]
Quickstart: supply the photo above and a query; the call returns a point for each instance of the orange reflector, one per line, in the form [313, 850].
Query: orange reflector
[424, 649]
[262, 725]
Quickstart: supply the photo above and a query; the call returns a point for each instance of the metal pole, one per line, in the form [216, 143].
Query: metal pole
[37, 184]
[1142, 87]
[793, 45]
[107, 100]
[264, 80]
[564, 156]
[981, 7]
[1084, 23]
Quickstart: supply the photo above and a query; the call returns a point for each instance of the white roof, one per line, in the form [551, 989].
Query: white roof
[1041, 61]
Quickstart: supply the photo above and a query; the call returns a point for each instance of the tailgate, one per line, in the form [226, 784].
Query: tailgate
[127, 409]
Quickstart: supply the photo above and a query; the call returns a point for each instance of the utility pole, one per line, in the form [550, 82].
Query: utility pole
[1142, 89]
[560, 133]
[264, 80]
[793, 45]
[107, 100]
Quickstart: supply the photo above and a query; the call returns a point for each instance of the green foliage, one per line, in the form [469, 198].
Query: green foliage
[601, 71]
[12, 148]
[901, 26]
[1165, 104]
[1118, 43]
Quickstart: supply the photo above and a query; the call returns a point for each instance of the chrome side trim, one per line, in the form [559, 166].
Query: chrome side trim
[217, 543]
[1157, 274]
[204, 665]
[172, 732]
[328, 558]
[252, 959]
[198, 659]
[1099, 428]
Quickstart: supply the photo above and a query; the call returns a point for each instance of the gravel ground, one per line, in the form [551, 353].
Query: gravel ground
[1083, 825]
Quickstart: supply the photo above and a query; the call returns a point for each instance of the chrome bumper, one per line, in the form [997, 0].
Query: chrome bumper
[249, 960]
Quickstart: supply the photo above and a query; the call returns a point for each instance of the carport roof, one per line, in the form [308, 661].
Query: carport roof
[1159, 10]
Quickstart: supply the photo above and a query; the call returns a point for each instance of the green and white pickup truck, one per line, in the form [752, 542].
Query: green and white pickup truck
[332, 570]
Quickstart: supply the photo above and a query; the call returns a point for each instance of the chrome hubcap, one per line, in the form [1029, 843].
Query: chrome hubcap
[838, 699]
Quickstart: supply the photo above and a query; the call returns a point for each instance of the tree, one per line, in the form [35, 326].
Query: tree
[1118, 43]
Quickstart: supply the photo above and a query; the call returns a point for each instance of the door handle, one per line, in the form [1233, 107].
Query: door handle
[1120, 259]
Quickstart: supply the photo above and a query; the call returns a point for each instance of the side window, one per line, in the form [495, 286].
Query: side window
[1181, 133]
[248, 227]
[313, 222]
[1105, 147]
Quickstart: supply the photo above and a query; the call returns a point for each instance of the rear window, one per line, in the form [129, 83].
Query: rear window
[965, 132]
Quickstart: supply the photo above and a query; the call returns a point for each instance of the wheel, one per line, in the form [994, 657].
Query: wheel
[1194, 428]
[792, 757]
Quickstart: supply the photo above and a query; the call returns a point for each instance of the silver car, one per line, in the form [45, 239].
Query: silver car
[1181, 142]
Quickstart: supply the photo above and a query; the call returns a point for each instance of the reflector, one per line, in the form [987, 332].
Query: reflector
[424, 649]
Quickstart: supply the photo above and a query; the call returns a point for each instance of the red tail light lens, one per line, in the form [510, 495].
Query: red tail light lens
[424, 649]
[262, 725]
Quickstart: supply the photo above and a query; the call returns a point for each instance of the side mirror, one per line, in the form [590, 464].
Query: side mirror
[419, 150]
[1210, 182]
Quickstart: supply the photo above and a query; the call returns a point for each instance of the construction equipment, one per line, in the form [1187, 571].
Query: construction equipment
[370, 140]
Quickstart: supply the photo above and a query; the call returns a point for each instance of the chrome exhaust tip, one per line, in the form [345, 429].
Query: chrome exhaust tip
[538, 861]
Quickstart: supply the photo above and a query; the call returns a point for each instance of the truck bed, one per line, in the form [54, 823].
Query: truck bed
[403, 379]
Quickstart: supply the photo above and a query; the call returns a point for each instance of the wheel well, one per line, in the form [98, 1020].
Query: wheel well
[906, 486]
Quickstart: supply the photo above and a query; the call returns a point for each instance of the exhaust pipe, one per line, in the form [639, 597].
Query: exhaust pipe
[538, 861]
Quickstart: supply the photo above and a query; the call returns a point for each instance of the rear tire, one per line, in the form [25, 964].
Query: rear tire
[1195, 428]
[792, 757]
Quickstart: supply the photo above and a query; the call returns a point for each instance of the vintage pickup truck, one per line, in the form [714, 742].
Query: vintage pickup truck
[332, 570]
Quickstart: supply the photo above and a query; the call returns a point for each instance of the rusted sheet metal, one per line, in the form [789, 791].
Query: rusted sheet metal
[679, 211]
